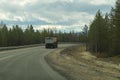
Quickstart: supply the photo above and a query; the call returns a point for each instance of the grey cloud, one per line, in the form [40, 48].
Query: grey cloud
[35, 22]
[56, 12]
[69, 7]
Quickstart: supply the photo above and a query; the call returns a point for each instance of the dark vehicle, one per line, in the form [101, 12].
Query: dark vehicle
[51, 42]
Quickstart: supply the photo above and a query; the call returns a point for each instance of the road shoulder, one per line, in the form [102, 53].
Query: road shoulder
[76, 64]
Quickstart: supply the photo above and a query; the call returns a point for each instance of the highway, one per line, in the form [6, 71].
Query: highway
[27, 64]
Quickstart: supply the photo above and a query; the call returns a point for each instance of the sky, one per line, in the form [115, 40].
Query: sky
[63, 15]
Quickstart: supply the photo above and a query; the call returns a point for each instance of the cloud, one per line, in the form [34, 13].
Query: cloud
[52, 12]
[63, 28]
[102, 2]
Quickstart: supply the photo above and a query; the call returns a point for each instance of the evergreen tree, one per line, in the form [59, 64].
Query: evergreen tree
[29, 35]
[4, 36]
[98, 34]
[0, 37]
[37, 37]
[115, 21]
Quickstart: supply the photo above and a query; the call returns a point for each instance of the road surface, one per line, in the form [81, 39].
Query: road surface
[27, 64]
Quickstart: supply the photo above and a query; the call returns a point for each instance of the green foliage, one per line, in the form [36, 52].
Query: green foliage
[84, 34]
[115, 26]
[104, 33]
[29, 35]
[98, 34]
[4, 36]
[15, 36]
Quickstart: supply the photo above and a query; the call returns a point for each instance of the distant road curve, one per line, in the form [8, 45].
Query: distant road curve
[27, 64]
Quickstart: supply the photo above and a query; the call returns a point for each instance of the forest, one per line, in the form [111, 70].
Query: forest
[16, 36]
[104, 32]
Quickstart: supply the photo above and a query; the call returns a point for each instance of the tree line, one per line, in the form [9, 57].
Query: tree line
[104, 32]
[16, 36]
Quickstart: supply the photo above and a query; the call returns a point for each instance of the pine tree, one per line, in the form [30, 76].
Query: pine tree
[4, 36]
[29, 35]
[0, 38]
[115, 21]
[98, 34]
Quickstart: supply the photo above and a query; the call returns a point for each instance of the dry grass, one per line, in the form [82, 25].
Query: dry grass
[72, 50]
[77, 64]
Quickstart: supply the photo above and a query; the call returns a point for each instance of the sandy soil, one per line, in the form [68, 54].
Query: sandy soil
[76, 64]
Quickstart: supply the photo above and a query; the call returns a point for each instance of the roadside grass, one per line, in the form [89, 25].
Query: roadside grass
[75, 63]
[75, 51]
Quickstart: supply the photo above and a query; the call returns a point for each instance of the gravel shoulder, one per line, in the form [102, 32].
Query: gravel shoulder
[76, 64]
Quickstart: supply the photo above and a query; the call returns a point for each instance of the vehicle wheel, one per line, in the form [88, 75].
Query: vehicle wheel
[46, 46]
[53, 46]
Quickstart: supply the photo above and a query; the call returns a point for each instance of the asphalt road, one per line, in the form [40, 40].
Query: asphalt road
[27, 64]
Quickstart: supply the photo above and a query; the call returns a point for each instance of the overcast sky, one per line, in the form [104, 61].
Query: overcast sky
[62, 14]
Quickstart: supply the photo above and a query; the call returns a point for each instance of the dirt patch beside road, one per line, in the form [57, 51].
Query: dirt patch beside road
[76, 64]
